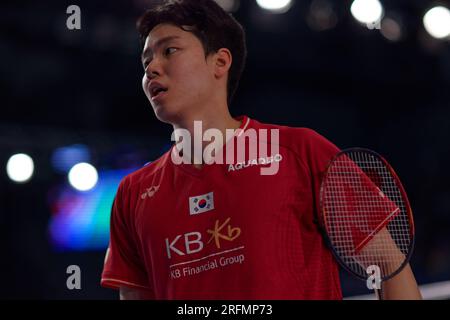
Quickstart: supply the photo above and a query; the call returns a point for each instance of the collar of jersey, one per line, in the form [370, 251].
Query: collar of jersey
[189, 168]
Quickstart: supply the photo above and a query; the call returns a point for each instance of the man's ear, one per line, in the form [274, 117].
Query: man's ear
[222, 62]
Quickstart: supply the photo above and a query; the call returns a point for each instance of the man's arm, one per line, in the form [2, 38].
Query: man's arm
[383, 252]
[403, 286]
[127, 293]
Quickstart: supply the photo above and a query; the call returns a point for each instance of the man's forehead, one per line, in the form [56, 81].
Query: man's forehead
[162, 31]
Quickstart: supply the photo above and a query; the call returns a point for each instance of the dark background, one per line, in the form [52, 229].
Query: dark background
[349, 83]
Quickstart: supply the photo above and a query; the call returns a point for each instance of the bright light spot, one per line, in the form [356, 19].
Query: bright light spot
[83, 176]
[391, 29]
[20, 168]
[437, 22]
[367, 11]
[228, 5]
[275, 6]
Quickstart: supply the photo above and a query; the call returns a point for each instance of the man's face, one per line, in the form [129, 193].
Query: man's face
[175, 59]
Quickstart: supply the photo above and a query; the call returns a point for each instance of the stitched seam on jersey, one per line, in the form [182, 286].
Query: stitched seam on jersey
[124, 282]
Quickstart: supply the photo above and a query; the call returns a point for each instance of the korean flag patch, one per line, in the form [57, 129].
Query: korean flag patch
[200, 204]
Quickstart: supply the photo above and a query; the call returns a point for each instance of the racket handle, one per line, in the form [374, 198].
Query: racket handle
[379, 292]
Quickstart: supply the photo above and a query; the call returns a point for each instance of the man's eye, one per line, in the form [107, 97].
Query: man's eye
[170, 50]
[146, 62]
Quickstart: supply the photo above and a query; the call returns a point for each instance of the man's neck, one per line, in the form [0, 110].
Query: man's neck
[221, 121]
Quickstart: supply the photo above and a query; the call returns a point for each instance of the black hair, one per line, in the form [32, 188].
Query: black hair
[212, 25]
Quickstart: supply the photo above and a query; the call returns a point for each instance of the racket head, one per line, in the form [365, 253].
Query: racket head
[338, 223]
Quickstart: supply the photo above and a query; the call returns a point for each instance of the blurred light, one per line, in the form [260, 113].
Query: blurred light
[437, 22]
[20, 168]
[228, 5]
[83, 176]
[367, 11]
[80, 221]
[275, 6]
[65, 158]
[321, 15]
[391, 29]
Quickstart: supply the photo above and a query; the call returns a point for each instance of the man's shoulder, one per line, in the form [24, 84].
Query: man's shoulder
[290, 136]
[314, 150]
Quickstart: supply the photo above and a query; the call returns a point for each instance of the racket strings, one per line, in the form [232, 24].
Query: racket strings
[365, 214]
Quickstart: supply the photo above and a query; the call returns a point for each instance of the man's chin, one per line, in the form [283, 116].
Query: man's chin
[165, 114]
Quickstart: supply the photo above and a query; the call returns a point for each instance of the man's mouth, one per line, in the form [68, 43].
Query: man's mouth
[158, 93]
[157, 90]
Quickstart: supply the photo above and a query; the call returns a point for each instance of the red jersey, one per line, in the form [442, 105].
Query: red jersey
[226, 231]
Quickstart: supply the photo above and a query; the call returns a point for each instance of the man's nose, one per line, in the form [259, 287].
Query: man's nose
[153, 69]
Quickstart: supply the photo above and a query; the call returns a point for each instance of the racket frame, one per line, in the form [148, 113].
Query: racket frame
[321, 217]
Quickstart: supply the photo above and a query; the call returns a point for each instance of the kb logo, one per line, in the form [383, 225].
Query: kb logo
[193, 242]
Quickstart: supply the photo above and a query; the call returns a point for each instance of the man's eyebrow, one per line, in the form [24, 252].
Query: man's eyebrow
[158, 43]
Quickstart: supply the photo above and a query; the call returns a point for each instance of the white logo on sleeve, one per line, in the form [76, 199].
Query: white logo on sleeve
[200, 204]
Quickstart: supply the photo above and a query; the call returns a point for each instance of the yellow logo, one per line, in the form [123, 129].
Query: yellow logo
[216, 234]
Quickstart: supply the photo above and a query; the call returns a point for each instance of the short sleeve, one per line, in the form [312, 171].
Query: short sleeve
[320, 151]
[123, 265]
[365, 221]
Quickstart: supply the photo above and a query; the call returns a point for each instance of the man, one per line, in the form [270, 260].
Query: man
[202, 229]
